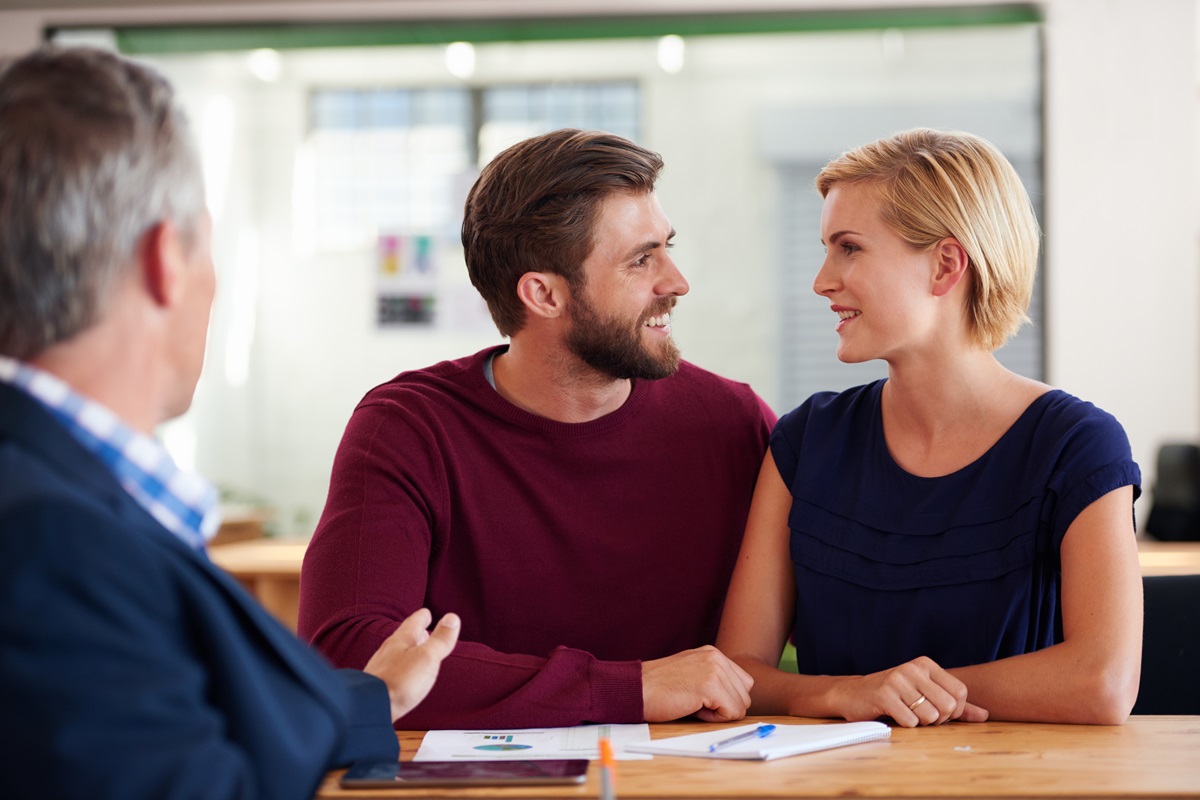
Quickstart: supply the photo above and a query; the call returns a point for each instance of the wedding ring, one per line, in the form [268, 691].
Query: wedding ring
[912, 706]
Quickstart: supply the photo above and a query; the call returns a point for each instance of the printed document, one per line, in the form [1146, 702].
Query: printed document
[525, 744]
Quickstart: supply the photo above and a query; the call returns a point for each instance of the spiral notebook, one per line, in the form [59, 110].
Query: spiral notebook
[786, 740]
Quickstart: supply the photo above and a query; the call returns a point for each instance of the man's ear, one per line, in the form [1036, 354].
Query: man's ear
[161, 257]
[544, 294]
[951, 265]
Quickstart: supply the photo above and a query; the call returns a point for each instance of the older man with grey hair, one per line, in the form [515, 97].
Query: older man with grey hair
[129, 665]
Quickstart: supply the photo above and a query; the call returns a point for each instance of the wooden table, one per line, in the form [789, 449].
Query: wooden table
[1169, 558]
[269, 569]
[1148, 757]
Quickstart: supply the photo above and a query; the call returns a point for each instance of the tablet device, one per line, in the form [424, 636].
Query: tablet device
[398, 774]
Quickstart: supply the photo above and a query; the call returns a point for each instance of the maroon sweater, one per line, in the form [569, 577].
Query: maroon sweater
[571, 551]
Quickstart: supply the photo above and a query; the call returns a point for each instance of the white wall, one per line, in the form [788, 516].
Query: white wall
[1123, 267]
[1123, 293]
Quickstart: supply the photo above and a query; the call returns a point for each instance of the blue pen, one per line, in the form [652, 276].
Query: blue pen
[762, 731]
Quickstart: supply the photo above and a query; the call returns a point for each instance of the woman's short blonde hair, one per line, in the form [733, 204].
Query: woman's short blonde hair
[937, 184]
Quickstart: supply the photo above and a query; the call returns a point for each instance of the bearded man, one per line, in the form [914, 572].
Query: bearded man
[577, 496]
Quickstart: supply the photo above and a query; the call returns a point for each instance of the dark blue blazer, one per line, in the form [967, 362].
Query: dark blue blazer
[130, 666]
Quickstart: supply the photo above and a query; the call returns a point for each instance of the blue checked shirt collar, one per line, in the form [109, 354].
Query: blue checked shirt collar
[183, 502]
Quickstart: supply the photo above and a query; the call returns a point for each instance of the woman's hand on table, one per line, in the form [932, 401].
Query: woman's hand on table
[918, 692]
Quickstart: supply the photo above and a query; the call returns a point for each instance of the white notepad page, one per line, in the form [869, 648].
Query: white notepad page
[786, 740]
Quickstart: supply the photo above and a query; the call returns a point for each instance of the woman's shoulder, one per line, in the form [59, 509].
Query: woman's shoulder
[828, 425]
[1058, 414]
[1064, 441]
[832, 407]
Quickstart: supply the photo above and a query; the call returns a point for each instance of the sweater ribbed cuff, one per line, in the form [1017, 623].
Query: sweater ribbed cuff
[616, 691]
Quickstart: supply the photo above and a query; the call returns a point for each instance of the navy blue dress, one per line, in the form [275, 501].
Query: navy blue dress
[962, 568]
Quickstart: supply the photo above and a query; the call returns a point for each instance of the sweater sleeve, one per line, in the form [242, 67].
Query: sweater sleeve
[481, 688]
[368, 567]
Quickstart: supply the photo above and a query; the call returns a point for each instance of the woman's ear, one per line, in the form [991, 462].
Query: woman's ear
[951, 264]
[544, 294]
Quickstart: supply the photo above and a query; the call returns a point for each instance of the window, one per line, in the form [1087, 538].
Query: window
[386, 160]
[402, 159]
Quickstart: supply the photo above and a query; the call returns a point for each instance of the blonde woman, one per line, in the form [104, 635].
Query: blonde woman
[955, 541]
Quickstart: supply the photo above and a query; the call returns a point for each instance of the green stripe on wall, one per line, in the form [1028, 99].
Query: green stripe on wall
[282, 36]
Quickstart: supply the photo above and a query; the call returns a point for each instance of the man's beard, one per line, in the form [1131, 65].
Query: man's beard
[614, 347]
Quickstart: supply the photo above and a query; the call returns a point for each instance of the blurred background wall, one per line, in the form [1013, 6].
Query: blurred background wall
[336, 166]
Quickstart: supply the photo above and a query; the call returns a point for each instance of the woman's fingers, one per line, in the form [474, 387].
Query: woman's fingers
[925, 694]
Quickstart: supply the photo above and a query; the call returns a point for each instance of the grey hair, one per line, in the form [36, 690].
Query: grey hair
[94, 152]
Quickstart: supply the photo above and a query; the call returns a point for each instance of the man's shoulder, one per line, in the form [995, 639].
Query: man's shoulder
[55, 532]
[454, 376]
[56, 498]
[69, 541]
[693, 386]
[455, 382]
[30, 479]
[690, 377]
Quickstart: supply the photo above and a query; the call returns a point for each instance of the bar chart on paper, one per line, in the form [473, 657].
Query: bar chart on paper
[500, 743]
